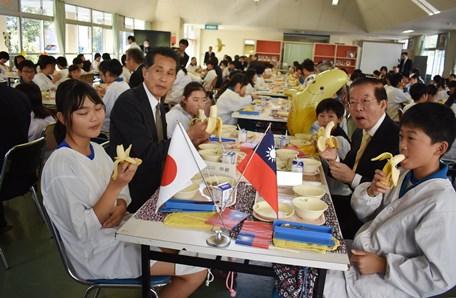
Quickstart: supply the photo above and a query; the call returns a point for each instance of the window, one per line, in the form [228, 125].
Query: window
[9, 41]
[430, 41]
[77, 13]
[41, 7]
[140, 24]
[102, 40]
[50, 38]
[78, 39]
[123, 41]
[436, 57]
[129, 23]
[31, 35]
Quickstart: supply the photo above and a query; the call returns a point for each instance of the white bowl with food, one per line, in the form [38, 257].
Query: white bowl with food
[285, 158]
[263, 211]
[309, 191]
[211, 146]
[210, 155]
[216, 180]
[187, 193]
[311, 166]
[309, 208]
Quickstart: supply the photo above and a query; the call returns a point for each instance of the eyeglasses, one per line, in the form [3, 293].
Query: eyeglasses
[364, 103]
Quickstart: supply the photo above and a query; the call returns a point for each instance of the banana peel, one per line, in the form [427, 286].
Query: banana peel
[390, 169]
[214, 123]
[325, 140]
[123, 156]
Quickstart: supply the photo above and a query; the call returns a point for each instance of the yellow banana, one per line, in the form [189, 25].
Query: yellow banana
[325, 140]
[123, 156]
[214, 123]
[390, 169]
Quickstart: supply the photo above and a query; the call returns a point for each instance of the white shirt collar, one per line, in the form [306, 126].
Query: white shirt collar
[152, 99]
[374, 129]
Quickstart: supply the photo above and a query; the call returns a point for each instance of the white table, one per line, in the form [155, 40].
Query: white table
[154, 233]
[261, 117]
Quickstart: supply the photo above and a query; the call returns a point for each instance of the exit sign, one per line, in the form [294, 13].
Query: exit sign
[211, 27]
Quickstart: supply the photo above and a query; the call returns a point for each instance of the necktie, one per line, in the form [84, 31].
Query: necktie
[364, 141]
[158, 123]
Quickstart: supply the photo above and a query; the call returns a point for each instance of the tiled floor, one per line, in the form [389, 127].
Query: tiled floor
[37, 271]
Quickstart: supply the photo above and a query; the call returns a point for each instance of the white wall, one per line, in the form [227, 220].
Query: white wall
[233, 40]
[376, 54]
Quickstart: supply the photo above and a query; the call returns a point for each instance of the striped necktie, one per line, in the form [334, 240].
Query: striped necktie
[362, 147]
[158, 123]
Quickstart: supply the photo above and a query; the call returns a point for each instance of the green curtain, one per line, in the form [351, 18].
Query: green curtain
[293, 51]
[59, 23]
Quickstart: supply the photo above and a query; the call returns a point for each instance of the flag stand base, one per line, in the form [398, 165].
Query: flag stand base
[218, 239]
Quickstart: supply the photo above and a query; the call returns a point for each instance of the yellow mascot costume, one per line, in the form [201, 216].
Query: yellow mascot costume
[303, 103]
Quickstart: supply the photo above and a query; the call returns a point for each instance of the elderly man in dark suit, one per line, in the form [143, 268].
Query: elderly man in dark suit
[376, 133]
[134, 62]
[15, 112]
[138, 118]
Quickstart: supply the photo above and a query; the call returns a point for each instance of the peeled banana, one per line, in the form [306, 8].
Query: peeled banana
[390, 169]
[123, 156]
[325, 140]
[214, 123]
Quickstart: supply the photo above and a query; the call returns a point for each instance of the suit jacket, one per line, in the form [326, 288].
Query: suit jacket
[15, 112]
[136, 77]
[208, 57]
[405, 68]
[184, 60]
[386, 139]
[132, 122]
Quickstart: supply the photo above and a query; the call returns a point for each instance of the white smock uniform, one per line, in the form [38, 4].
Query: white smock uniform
[230, 102]
[177, 114]
[112, 93]
[415, 232]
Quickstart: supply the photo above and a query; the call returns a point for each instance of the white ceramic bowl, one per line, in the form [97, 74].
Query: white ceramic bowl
[311, 166]
[299, 142]
[216, 180]
[188, 192]
[228, 127]
[286, 153]
[265, 211]
[309, 208]
[212, 146]
[309, 191]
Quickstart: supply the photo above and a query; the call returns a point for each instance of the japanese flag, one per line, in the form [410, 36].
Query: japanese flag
[180, 165]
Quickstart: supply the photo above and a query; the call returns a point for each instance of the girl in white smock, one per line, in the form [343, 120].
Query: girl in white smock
[233, 98]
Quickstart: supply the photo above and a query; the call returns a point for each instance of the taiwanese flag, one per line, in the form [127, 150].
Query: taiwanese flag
[259, 168]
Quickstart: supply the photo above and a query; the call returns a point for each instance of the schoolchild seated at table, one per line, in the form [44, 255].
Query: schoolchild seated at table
[74, 72]
[406, 246]
[250, 77]
[26, 70]
[86, 205]
[194, 99]
[44, 78]
[419, 94]
[111, 88]
[328, 110]
[40, 117]
[232, 98]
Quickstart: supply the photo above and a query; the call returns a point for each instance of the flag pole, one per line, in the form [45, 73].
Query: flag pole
[221, 240]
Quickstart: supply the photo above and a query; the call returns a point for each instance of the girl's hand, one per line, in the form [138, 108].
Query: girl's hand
[379, 184]
[126, 171]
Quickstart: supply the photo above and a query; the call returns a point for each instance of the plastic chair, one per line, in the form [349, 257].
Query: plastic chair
[19, 174]
[155, 281]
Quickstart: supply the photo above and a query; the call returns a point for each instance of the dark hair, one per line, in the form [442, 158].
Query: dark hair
[33, 93]
[184, 42]
[259, 68]
[431, 89]
[224, 62]
[73, 67]
[384, 68]
[112, 66]
[395, 79]
[191, 87]
[4, 55]
[136, 54]
[97, 55]
[123, 59]
[62, 61]
[131, 37]
[376, 72]
[81, 56]
[17, 58]
[417, 91]
[439, 81]
[250, 75]
[106, 56]
[45, 61]
[308, 65]
[404, 53]
[163, 51]
[232, 82]
[26, 63]
[434, 119]
[87, 65]
[331, 105]
[356, 75]
[77, 60]
[379, 91]
[70, 97]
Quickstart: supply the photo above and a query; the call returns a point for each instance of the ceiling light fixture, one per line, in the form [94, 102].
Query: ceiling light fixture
[408, 31]
[335, 2]
[426, 6]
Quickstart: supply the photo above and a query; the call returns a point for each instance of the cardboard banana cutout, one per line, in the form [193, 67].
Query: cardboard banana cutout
[214, 123]
[123, 156]
[303, 104]
[390, 169]
[325, 140]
